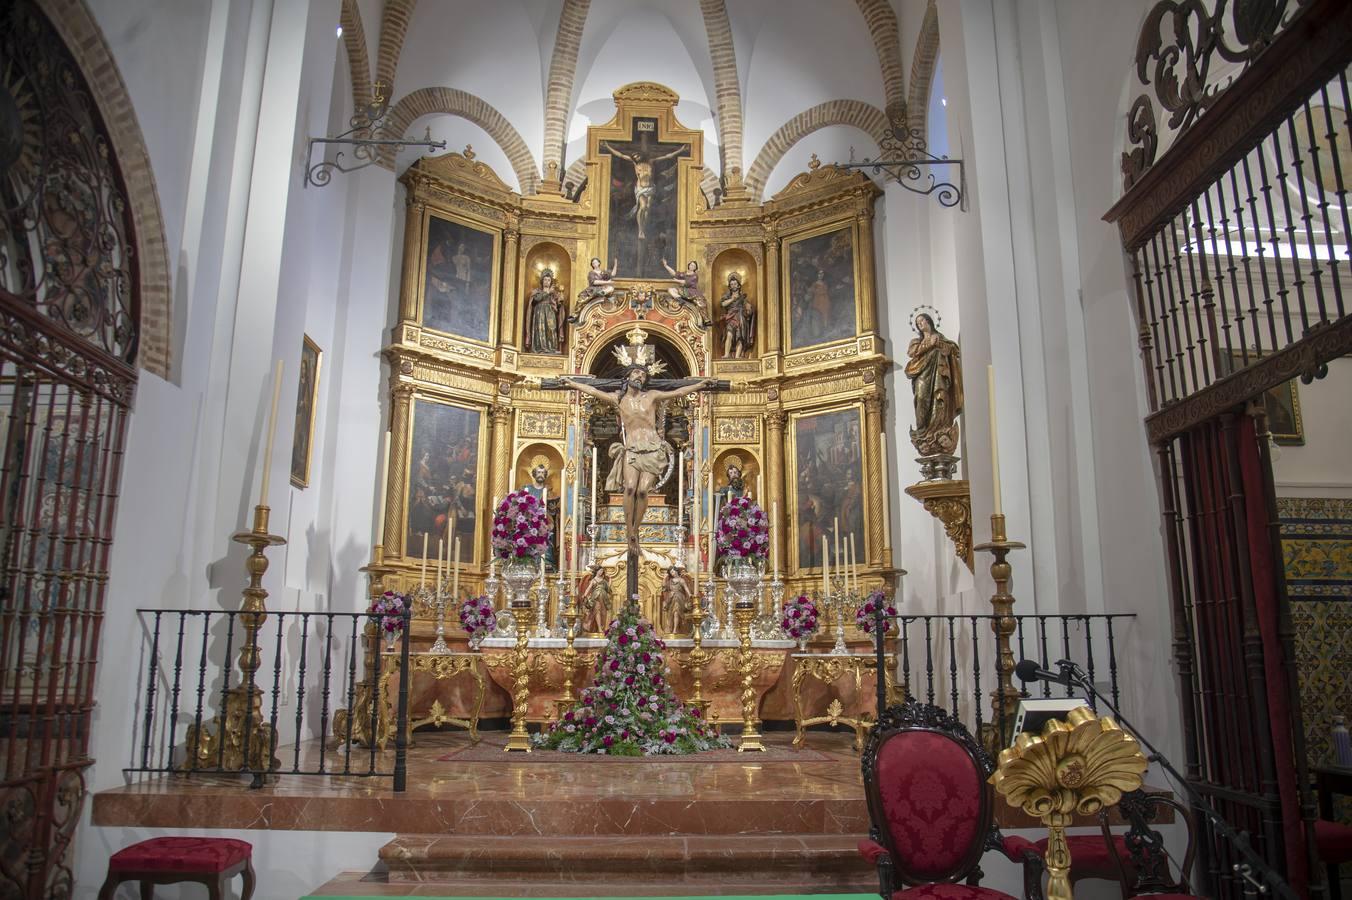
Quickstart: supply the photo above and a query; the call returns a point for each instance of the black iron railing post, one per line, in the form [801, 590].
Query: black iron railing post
[401, 718]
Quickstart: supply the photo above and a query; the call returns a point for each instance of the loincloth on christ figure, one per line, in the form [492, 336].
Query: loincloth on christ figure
[646, 456]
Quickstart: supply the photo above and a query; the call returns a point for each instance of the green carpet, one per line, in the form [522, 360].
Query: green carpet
[681, 897]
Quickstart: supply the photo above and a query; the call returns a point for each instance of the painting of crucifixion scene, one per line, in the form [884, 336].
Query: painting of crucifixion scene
[458, 291]
[829, 482]
[821, 289]
[643, 183]
[443, 476]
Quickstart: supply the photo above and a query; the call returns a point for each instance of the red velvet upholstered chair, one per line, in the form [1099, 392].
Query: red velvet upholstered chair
[930, 806]
[170, 860]
[1333, 841]
[1144, 869]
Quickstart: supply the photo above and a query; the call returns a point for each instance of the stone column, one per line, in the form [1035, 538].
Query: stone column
[397, 497]
[878, 555]
[868, 311]
[770, 308]
[774, 482]
[415, 216]
[511, 241]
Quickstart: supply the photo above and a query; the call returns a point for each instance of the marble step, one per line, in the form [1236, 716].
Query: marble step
[588, 863]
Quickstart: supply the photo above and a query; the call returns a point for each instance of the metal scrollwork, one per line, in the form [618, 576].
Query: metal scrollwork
[66, 244]
[1181, 63]
[364, 137]
[904, 157]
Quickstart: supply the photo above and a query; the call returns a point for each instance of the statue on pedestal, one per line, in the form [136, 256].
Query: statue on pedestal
[934, 365]
[545, 317]
[596, 601]
[674, 608]
[736, 486]
[688, 294]
[739, 319]
[539, 489]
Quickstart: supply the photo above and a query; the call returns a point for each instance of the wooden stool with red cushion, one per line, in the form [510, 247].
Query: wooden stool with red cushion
[170, 860]
[1333, 840]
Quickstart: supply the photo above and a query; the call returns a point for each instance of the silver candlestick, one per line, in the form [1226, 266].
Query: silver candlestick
[840, 600]
[439, 646]
[542, 610]
[708, 595]
[592, 531]
[561, 588]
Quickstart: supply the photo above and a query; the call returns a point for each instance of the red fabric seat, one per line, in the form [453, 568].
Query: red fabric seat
[181, 854]
[951, 892]
[1333, 840]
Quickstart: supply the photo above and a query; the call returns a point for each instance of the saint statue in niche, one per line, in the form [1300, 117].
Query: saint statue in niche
[934, 365]
[736, 486]
[545, 317]
[675, 607]
[538, 488]
[596, 601]
[687, 293]
[739, 319]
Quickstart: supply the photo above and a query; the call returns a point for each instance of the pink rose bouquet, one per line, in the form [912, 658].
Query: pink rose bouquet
[743, 530]
[477, 616]
[865, 616]
[521, 528]
[800, 617]
[390, 607]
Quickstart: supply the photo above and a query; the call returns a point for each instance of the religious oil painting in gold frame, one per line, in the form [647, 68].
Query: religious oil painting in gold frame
[307, 398]
[459, 277]
[444, 474]
[643, 203]
[828, 484]
[820, 272]
[1281, 403]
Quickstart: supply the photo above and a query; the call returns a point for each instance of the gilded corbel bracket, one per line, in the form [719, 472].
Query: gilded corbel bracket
[951, 503]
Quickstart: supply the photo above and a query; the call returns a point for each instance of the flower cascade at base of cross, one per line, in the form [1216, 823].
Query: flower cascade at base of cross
[630, 709]
[799, 619]
[865, 616]
[477, 616]
[521, 527]
[743, 531]
[390, 607]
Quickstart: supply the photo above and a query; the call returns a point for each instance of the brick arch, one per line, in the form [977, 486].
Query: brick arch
[882, 27]
[727, 88]
[562, 71]
[394, 19]
[358, 62]
[923, 63]
[84, 39]
[449, 101]
[864, 116]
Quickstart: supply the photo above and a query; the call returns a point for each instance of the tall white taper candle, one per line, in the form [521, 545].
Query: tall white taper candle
[774, 535]
[440, 543]
[593, 492]
[826, 570]
[422, 579]
[455, 578]
[272, 434]
[995, 442]
[680, 488]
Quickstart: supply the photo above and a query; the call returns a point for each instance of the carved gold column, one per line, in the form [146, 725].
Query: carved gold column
[415, 216]
[774, 456]
[500, 464]
[511, 242]
[770, 308]
[873, 426]
[397, 497]
[868, 316]
[1075, 767]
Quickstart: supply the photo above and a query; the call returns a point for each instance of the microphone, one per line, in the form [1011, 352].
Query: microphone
[1029, 670]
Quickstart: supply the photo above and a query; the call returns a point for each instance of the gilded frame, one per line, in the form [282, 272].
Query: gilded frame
[791, 483]
[482, 463]
[483, 225]
[301, 478]
[842, 222]
[1284, 394]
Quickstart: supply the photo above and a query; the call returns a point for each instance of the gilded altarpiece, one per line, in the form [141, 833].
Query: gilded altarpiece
[642, 203]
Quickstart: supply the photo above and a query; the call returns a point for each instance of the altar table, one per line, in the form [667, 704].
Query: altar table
[829, 668]
[442, 667]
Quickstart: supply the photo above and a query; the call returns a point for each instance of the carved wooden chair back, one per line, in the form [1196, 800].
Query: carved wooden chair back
[1147, 867]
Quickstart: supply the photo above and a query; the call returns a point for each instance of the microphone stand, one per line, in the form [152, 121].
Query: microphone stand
[1266, 878]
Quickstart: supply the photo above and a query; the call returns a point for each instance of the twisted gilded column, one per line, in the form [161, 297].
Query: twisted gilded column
[397, 495]
[774, 331]
[775, 483]
[868, 316]
[511, 244]
[500, 463]
[877, 554]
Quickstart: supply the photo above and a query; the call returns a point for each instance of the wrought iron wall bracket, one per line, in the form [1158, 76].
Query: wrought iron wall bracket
[904, 157]
[366, 123]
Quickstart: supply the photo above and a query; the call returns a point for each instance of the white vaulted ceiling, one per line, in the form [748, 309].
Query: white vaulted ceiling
[819, 72]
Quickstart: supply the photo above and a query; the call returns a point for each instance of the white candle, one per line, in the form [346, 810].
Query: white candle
[826, 569]
[995, 442]
[774, 535]
[694, 516]
[713, 526]
[384, 488]
[758, 491]
[593, 491]
[835, 527]
[272, 434]
[422, 579]
[854, 564]
[440, 543]
[455, 578]
[680, 489]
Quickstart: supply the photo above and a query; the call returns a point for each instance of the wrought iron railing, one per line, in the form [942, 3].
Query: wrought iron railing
[314, 684]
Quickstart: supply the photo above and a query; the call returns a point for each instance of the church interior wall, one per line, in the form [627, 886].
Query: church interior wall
[1320, 467]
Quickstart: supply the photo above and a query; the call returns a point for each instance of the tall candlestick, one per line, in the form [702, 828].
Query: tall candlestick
[826, 570]
[455, 578]
[272, 433]
[713, 526]
[995, 441]
[680, 488]
[593, 491]
[774, 536]
[577, 520]
[422, 579]
[694, 516]
[384, 488]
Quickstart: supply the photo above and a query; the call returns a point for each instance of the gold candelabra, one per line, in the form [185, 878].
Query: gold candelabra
[743, 614]
[1076, 766]
[699, 657]
[570, 616]
[1005, 697]
[519, 739]
[241, 738]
